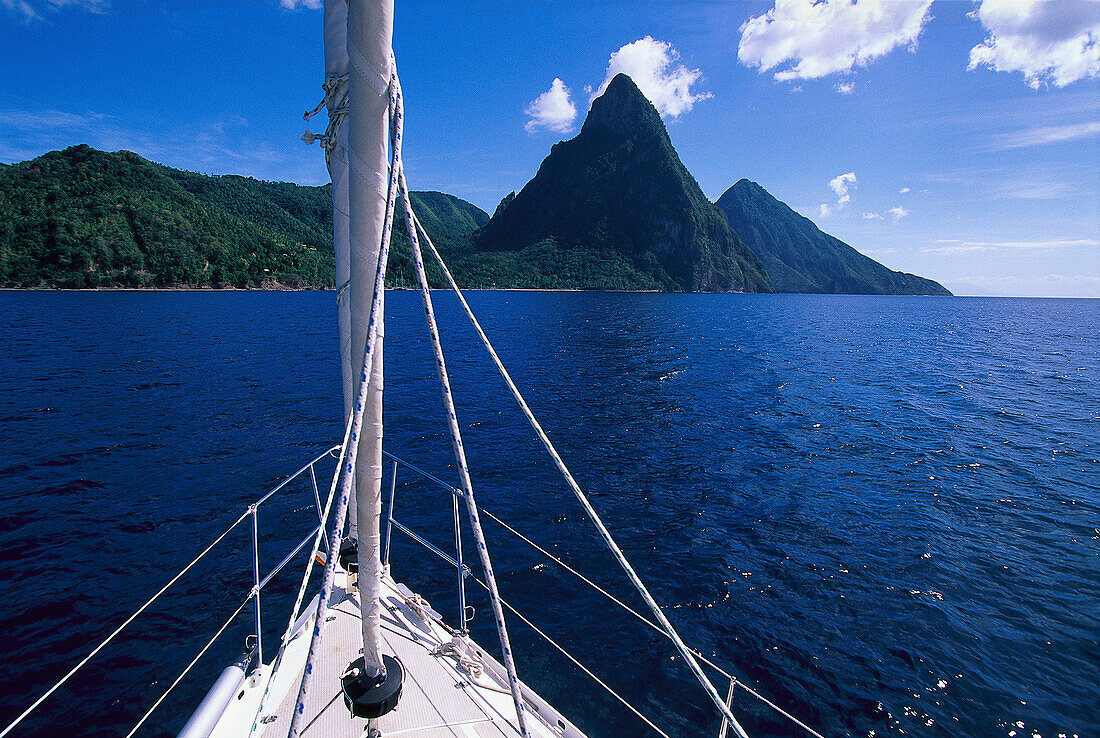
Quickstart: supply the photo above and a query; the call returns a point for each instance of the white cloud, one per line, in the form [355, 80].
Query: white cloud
[841, 185]
[903, 190]
[1051, 181]
[842, 182]
[950, 250]
[1050, 41]
[295, 4]
[553, 110]
[1034, 188]
[897, 213]
[872, 216]
[21, 8]
[1039, 285]
[807, 39]
[1046, 135]
[652, 65]
[94, 6]
[48, 119]
[33, 10]
[845, 88]
[956, 246]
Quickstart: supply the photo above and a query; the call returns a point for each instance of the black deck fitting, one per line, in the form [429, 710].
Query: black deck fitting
[349, 555]
[372, 697]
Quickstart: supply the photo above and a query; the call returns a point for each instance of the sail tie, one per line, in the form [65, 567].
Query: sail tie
[336, 99]
[342, 291]
[334, 85]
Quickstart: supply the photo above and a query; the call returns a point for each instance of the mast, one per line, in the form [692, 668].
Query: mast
[369, 51]
[336, 87]
[372, 683]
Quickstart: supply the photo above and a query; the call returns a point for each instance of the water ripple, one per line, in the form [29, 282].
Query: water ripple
[881, 512]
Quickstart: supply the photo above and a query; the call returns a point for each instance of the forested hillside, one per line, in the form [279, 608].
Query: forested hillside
[84, 218]
[800, 257]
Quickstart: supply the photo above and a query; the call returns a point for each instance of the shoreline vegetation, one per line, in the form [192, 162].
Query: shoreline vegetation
[390, 288]
[88, 219]
[284, 288]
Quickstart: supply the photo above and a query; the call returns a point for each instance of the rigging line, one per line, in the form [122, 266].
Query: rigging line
[579, 665]
[347, 469]
[335, 87]
[278, 660]
[460, 452]
[120, 628]
[702, 657]
[195, 660]
[614, 599]
[582, 498]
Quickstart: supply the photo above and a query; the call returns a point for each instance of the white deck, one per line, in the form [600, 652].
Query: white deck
[439, 700]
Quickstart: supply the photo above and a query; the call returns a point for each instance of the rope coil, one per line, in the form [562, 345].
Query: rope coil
[419, 605]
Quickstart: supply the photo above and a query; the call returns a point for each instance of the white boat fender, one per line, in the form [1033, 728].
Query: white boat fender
[372, 697]
[213, 705]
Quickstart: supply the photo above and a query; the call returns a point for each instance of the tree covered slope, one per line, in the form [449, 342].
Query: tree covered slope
[87, 218]
[615, 207]
[801, 258]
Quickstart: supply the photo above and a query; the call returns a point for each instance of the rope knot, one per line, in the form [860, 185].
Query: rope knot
[459, 649]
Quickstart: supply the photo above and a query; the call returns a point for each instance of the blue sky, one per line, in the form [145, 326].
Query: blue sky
[956, 140]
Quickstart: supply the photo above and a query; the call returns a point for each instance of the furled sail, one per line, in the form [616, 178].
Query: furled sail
[336, 145]
[369, 50]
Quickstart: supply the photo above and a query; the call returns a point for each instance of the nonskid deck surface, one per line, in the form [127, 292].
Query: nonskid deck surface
[440, 698]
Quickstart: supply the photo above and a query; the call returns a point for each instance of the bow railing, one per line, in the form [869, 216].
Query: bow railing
[464, 611]
[251, 513]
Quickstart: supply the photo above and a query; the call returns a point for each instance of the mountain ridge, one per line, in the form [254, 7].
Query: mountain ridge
[802, 258]
[618, 194]
[85, 218]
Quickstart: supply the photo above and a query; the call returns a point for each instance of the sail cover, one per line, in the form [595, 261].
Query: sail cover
[336, 100]
[369, 52]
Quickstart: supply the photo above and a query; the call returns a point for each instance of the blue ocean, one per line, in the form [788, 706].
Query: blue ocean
[882, 513]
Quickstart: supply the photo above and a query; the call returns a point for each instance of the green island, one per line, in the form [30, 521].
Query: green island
[613, 208]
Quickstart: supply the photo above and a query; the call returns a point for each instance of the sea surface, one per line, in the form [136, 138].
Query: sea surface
[883, 513]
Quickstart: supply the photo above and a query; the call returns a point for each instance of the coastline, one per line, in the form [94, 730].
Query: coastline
[325, 289]
[511, 289]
